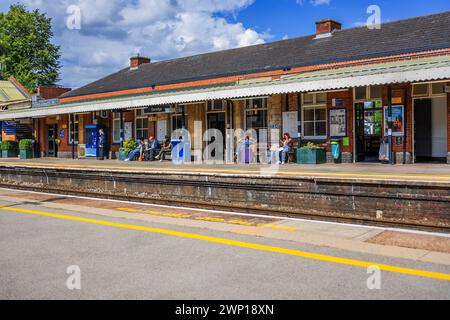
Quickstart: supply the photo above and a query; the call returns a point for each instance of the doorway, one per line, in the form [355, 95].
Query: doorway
[369, 131]
[217, 120]
[52, 145]
[430, 130]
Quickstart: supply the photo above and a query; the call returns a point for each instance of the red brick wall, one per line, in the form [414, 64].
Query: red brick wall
[51, 92]
[292, 105]
[347, 97]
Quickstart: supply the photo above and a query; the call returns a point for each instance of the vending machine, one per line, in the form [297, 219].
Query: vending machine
[96, 144]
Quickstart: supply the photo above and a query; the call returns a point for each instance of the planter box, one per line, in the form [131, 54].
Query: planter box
[26, 154]
[10, 153]
[311, 156]
[123, 154]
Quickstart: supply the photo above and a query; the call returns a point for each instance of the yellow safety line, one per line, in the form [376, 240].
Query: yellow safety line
[246, 245]
[436, 177]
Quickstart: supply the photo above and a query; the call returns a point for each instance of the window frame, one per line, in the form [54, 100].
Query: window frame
[264, 107]
[368, 96]
[325, 121]
[115, 127]
[429, 93]
[136, 120]
[315, 105]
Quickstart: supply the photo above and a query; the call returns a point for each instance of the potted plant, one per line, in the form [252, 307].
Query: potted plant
[26, 149]
[128, 146]
[312, 154]
[10, 149]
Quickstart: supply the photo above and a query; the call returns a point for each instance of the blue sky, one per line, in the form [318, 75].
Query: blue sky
[113, 30]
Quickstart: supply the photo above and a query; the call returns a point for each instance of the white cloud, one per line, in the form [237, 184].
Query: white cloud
[113, 30]
[315, 2]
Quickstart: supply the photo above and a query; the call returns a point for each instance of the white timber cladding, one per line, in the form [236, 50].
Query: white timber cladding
[349, 78]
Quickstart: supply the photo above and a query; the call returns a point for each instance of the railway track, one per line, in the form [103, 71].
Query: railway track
[237, 209]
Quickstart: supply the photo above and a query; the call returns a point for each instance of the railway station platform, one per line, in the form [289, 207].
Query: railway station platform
[416, 172]
[412, 196]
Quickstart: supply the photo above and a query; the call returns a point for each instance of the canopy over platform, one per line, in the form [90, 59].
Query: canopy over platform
[406, 71]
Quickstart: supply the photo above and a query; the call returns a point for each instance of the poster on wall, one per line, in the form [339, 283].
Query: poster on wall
[338, 123]
[398, 129]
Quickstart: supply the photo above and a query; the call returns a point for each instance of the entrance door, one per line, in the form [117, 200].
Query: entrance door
[217, 121]
[52, 146]
[359, 110]
[369, 119]
[430, 130]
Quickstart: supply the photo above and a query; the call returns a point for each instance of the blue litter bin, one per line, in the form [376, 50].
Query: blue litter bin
[181, 151]
[336, 151]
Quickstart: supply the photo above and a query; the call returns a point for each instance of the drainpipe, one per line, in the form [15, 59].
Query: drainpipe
[391, 156]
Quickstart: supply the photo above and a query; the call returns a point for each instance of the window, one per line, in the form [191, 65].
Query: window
[256, 114]
[215, 105]
[116, 127]
[177, 122]
[368, 93]
[141, 125]
[361, 93]
[438, 88]
[429, 89]
[315, 122]
[315, 116]
[314, 98]
[420, 89]
[376, 92]
[74, 129]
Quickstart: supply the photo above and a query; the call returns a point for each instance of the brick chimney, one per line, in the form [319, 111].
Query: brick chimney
[136, 61]
[326, 27]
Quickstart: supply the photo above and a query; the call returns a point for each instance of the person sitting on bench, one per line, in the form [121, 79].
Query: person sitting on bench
[154, 149]
[166, 148]
[288, 144]
[138, 152]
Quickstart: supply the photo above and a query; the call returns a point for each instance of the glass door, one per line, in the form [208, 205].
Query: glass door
[52, 146]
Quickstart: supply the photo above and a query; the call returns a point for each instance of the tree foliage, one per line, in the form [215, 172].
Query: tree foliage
[26, 50]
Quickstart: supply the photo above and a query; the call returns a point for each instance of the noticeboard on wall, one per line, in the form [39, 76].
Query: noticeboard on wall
[338, 123]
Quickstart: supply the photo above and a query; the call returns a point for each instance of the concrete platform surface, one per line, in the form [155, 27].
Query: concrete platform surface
[417, 172]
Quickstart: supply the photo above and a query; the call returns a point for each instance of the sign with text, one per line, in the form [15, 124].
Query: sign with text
[159, 109]
[338, 123]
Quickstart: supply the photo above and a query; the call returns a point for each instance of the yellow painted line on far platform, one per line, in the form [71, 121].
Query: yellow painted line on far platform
[239, 244]
[187, 169]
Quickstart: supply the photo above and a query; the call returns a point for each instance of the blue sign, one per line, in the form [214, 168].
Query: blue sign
[62, 134]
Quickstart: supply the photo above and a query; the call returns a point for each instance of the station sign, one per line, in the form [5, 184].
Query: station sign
[159, 109]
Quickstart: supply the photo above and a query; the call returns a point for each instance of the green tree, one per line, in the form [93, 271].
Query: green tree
[26, 51]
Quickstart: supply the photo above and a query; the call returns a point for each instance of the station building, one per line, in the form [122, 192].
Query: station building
[357, 85]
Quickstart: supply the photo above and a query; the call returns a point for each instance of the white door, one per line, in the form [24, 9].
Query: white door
[161, 128]
[128, 128]
[439, 127]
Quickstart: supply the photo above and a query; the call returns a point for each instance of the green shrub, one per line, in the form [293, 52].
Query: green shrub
[10, 146]
[129, 145]
[311, 145]
[26, 144]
